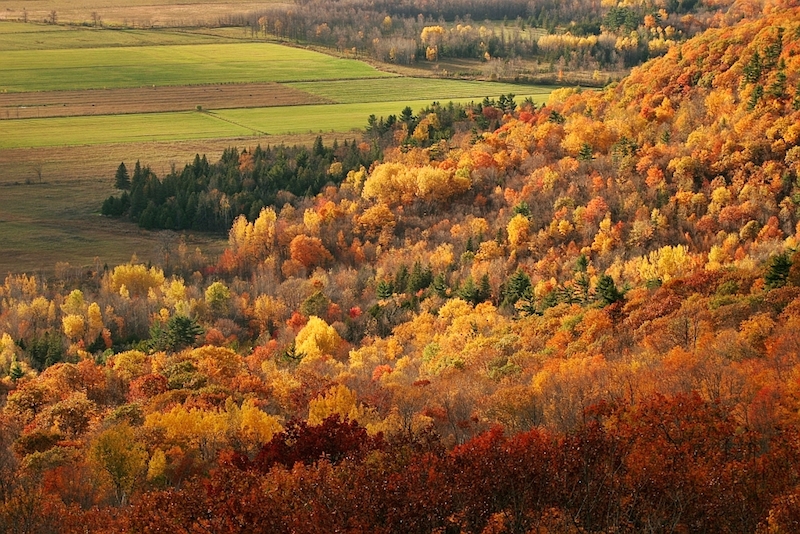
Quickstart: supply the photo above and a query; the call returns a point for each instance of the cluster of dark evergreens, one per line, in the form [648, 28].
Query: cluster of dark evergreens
[207, 197]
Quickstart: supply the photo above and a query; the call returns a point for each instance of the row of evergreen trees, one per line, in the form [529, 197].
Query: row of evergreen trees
[207, 197]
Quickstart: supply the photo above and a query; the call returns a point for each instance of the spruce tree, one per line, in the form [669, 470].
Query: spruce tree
[607, 292]
[778, 271]
[122, 180]
[16, 371]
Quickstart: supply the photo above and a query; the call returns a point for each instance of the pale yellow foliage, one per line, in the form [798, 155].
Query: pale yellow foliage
[518, 230]
[317, 338]
[74, 303]
[355, 179]
[253, 241]
[131, 364]
[489, 250]
[395, 184]
[251, 425]
[666, 263]
[556, 42]
[312, 221]
[157, 465]
[560, 95]
[339, 400]
[659, 45]
[74, 326]
[174, 293]
[137, 279]
[8, 351]
[95, 321]
[442, 257]
[605, 239]
[432, 35]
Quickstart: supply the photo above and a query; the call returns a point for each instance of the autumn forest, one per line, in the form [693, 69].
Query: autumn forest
[582, 316]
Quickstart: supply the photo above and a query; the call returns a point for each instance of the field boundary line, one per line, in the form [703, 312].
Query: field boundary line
[215, 116]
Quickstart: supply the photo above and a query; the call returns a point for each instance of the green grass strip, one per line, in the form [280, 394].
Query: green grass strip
[395, 89]
[104, 129]
[94, 68]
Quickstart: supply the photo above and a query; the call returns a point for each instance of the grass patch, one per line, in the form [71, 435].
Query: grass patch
[95, 68]
[325, 117]
[102, 129]
[249, 122]
[63, 224]
[19, 37]
[396, 89]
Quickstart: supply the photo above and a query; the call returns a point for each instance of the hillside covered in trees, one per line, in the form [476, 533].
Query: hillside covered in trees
[583, 319]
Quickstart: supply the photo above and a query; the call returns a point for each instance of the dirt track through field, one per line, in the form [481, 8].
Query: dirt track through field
[150, 100]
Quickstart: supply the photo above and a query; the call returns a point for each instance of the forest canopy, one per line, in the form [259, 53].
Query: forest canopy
[576, 317]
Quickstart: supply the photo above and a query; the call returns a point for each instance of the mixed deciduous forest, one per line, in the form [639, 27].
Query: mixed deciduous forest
[576, 317]
[556, 36]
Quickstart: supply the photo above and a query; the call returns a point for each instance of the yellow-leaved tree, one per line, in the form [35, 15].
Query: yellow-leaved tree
[317, 338]
[341, 401]
[135, 280]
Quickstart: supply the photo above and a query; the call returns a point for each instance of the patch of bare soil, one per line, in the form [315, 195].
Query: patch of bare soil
[150, 100]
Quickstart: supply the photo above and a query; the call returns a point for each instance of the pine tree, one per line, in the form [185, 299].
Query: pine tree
[469, 292]
[440, 285]
[517, 286]
[585, 153]
[16, 371]
[778, 271]
[122, 180]
[485, 288]
[607, 292]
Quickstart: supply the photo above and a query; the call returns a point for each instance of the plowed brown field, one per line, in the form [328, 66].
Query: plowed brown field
[150, 99]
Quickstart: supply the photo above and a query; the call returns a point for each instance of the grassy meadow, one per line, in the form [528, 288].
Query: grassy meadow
[56, 171]
[97, 68]
[214, 124]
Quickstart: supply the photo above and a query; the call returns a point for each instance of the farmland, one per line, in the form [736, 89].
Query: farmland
[98, 68]
[75, 101]
[130, 13]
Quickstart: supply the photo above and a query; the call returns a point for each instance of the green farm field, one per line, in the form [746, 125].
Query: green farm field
[430, 89]
[107, 96]
[213, 124]
[97, 68]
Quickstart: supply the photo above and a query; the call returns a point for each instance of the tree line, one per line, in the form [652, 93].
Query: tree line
[207, 197]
